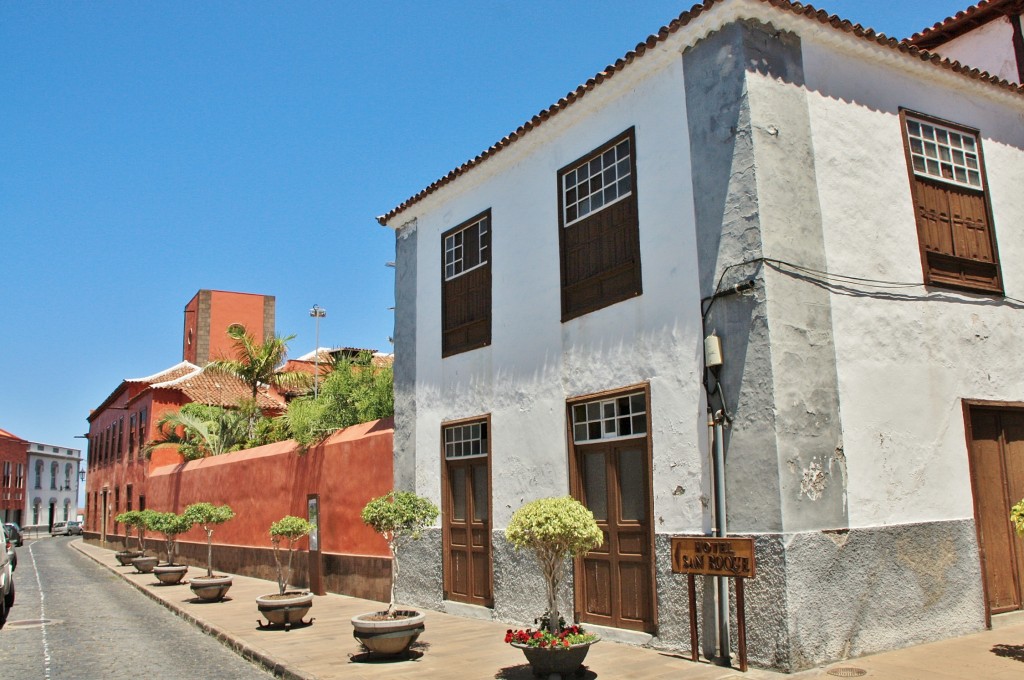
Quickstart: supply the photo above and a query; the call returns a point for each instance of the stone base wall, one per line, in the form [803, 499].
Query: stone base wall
[360, 576]
[820, 597]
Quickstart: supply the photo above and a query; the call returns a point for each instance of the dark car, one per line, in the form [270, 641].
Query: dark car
[74, 528]
[14, 533]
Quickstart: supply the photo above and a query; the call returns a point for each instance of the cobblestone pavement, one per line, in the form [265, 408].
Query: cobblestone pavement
[98, 628]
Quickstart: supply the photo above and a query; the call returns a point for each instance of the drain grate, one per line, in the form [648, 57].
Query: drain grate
[28, 623]
[847, 672]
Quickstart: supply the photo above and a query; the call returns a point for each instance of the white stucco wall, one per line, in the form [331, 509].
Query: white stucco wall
[905, 363]
[535, 362]
[988, 47]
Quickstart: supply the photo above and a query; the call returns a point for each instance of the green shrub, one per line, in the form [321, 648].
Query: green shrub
[1017, 517]
[208, 515]
[292, 528]
[554, 529]
[398, 516]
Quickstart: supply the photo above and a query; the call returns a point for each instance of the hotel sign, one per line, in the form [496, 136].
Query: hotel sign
[711, 556]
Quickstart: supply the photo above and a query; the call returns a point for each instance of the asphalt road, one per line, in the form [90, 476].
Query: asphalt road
[98, 626]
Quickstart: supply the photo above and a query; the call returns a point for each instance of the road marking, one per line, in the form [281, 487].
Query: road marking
[42, 615]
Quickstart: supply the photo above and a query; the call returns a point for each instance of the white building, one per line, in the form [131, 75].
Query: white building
[53, 479]
[842, 210]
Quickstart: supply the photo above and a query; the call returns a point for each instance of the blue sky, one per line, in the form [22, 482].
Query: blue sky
[148, 150]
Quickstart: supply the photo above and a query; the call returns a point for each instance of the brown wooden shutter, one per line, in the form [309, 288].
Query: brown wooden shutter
[955, 235]
[466, 299]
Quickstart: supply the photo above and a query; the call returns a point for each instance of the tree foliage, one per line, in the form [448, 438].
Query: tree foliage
[1017, 517]
[199, 430]
[291, 528]
[169, 524]
[132, 519]
[208, 515]
[256, 362]
[355, 391]
[398, 516]
[554, 529]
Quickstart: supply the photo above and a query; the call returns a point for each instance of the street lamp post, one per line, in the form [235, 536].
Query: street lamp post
[317, 313]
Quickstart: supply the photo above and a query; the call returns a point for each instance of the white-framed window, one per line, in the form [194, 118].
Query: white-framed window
[943, 153]
[53, 475]
[7, 473]
[21, 476]
[67, 476]
[465, 441]
[39, 474]
[67, 507]
[597, 182]
[615, 418]
[467, 248]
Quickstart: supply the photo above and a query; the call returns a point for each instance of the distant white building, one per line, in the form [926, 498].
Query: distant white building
[53, 479]
[843, 211]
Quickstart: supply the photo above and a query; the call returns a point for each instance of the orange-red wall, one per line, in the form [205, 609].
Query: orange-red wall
[264, 484]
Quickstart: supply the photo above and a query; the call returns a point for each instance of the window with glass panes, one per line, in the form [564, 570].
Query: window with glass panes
[952, 207]
[464, 441]
[617, 417]
[599, 234]
[466, 286]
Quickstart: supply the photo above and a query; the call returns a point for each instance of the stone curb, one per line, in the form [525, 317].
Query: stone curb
[262, 659]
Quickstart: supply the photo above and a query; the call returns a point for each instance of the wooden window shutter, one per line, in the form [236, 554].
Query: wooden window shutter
[600, 253]
[466, 297]
[954, 226]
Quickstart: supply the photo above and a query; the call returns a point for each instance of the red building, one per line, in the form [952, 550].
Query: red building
[210, 313]
[122, 424]
[13, 464]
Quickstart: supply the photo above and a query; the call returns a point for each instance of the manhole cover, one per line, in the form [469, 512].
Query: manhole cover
[847, 672]
[28, 623]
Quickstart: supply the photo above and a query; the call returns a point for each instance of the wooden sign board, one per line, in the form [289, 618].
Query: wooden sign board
[711, 556]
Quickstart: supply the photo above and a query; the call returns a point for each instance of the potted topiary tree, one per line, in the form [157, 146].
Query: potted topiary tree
[398, 516]
[554, 529]
[207, 515]
[170, 524]
[145, 564]
[131, 519]
[286, 607]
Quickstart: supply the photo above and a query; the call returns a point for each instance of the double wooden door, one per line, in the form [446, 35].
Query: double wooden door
[468, 533]
[614, 582]
[997, 475]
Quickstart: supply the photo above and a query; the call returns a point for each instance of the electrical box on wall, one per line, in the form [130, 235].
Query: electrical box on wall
[712, 351]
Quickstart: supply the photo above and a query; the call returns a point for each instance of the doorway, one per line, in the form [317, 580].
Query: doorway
[996, 448]
[610, 468]
[468, 575]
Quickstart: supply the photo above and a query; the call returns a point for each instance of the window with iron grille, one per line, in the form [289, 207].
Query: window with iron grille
[952, 207]
[465, 441]
[613, 418]
[466, 286]
[599, 238]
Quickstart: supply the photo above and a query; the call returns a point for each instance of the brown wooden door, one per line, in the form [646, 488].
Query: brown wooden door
[614, 582]
[468, 529]
[997, 471]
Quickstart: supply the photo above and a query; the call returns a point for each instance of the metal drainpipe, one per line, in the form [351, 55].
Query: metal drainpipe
[724, 646]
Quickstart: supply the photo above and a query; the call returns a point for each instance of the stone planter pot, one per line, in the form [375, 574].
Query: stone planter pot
[388, 636]
[285, 610]
[210, 588]
[145, 565]
[170, 574]
[546, 661]
[125, 557]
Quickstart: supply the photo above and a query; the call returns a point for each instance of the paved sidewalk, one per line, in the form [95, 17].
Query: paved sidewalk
[457, 647]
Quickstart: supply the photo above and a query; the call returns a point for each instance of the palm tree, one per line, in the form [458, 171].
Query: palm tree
[198, 437]
[256, 363]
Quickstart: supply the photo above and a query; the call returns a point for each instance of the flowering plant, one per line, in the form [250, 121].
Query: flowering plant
[572, 635]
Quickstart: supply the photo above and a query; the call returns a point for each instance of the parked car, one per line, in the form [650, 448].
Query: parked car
[6, 577]
[12, 553]
[74, 528]
[59, 529]
[14, 533]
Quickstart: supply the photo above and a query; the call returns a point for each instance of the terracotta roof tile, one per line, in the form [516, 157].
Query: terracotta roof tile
[962, 22]
[217, 389]
[796, 8]
[4, 434]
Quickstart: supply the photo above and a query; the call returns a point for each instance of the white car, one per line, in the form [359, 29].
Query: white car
[6, 577]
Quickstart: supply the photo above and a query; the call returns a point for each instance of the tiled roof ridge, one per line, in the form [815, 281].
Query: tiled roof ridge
[662, 34]
[938, 30]
[5, 434]
[150, 378]
[180, 379]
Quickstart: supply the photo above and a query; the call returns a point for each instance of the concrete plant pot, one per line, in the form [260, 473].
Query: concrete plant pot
[170, 574]
[545, 661]
[210, 588]
[285, 610]
[125, 557]
[388, 636]
[145, 565]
